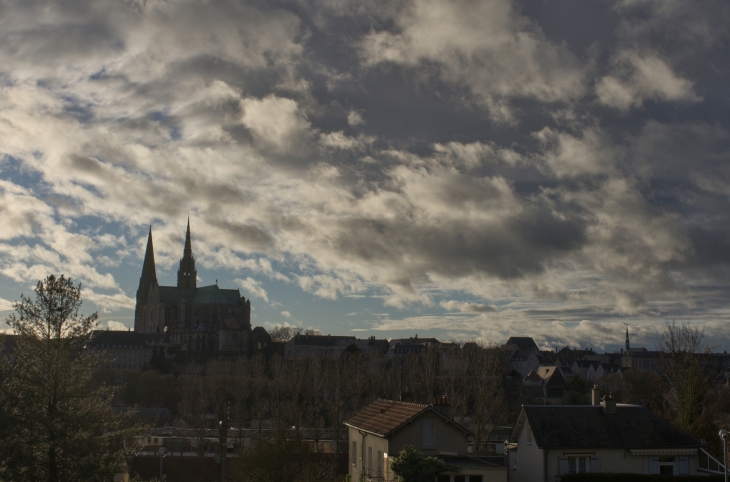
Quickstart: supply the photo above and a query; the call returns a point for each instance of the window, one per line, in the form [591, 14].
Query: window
[380, 463]
[475, 478]
[370, 459]
[353, 453]
[578, 465]
[460, 478]
[443, 478]
[427, 432]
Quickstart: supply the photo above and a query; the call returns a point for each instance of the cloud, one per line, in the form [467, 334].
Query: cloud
[486, 46]
[115, 326]
[466, 307]
[640, 77]
[413, 153]
[253, 288]
[286, 314]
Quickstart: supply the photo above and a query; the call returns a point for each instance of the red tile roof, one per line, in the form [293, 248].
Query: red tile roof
[384, 416]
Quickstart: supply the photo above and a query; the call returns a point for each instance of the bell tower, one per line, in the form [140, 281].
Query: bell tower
[187, 275]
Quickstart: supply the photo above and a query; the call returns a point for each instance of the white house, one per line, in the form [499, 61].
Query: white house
[378, 433]
[552, 440]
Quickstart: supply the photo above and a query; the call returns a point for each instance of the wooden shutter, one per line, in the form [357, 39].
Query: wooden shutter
[427, 432]
[683, 465]
[563, 465]
[595, 464]
[653, 465]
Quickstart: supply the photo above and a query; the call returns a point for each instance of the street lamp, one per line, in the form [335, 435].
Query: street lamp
[162, 453]
[723, 436]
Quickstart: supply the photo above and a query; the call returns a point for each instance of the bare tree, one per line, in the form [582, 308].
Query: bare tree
[193, 406]
[487, 372]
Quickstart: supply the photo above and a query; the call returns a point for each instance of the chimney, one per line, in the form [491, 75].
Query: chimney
[406, 395]
[443, 406]
[609, 405]
[595, 396]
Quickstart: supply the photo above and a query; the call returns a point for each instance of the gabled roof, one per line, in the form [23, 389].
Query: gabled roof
[532, 377]
[523, 342]
[521, 355]
[588, 426]
[383, 417]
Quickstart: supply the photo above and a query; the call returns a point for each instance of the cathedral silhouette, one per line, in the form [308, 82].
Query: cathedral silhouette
[193, 320]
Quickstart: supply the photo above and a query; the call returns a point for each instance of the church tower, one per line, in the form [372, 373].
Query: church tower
[187, 275]
[146, 281]
[627, 339]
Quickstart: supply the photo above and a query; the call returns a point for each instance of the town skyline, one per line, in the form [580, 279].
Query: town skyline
[448, 169]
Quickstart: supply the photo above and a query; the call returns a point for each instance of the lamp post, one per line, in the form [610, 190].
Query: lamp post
[162, 453]
[723, 436]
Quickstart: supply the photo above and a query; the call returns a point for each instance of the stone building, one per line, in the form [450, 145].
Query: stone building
[193, 319]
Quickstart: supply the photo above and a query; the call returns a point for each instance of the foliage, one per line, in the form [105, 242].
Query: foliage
[645, 388]
[603, 477]
[576, 391]
[55, 425]
[282, 333]
[693, 404]
[282, 458]
[412, 466]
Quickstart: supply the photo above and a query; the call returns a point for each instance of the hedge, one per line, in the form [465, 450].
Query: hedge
[588, 477]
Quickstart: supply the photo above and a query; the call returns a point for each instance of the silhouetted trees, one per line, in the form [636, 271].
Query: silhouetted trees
[55, 425]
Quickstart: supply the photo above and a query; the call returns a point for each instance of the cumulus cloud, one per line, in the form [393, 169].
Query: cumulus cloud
[487, 46]
[115, 326]
[443, 151]
[641, 77]
[251, 287]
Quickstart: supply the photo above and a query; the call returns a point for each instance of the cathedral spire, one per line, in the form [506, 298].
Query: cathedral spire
[149, 273]
[627, 339]
[187, 275]
[188, 252]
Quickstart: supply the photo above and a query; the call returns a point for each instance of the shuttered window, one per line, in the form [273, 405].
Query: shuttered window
[427, 439]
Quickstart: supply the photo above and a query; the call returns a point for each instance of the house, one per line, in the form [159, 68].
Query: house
[552, 440]
[378, 433]
[321, 346]
[126, 350]
[523, 343]
[553, 382]
[524, 361]
[581, 367]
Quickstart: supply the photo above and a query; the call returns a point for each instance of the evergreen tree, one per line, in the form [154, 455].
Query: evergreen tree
[55, 427]
[412, 466]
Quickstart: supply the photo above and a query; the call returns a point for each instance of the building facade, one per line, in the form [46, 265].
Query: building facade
[192, 318]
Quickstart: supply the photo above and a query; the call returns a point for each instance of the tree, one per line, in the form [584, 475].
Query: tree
[412, 466]
[693, 406]
[282, 458]
[56, 427]
[282, 333]
[576, 391]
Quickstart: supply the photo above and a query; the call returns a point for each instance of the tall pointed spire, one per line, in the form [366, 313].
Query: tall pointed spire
[149, 273]
[187, 275]
[628, 346]
[148, 279]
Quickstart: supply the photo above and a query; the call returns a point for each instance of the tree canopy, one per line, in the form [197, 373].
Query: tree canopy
[412, 466]
[55, 425]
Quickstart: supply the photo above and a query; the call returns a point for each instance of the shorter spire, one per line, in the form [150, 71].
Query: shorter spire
[187, 274]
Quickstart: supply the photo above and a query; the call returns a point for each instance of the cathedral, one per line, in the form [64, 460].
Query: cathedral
[194, 320]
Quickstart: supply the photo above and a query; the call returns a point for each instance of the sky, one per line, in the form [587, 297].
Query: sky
[460, 169]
